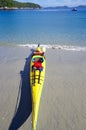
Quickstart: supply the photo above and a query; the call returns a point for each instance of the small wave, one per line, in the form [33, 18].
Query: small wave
[58, 47]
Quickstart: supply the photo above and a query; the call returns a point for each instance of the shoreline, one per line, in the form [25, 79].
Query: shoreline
[48, 46]
[16, 8]
[57, 47]
[63, 97]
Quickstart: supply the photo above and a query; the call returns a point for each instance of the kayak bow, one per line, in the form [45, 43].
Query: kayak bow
[37, 74]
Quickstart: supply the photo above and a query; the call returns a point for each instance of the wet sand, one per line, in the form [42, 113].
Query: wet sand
[63, 101]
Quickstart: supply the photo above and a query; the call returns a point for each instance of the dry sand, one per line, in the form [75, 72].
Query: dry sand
[63, 101]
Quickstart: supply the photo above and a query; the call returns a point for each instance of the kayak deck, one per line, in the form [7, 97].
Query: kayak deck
[36, 81]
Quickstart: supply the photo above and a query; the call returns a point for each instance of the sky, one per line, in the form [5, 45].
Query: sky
[45, 3]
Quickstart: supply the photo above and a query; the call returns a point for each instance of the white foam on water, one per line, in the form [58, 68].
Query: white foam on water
[58, 47]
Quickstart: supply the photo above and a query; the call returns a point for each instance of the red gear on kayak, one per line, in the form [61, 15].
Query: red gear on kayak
[37, 64]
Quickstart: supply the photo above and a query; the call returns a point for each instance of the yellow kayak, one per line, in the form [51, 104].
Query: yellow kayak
[37, 74]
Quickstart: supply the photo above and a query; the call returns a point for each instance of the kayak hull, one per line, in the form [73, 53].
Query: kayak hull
[36, 81]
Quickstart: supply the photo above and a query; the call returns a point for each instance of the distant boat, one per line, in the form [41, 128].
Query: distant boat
[74, 9]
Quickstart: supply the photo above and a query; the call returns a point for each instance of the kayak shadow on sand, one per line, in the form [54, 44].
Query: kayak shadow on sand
[23, 106]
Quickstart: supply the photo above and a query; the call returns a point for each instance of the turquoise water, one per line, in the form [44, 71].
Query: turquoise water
[51, 27]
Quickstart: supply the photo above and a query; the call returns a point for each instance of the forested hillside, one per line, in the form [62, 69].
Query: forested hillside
[12, 3]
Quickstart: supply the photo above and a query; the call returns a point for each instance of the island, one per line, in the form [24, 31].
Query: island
[11, 4]
[80, 7]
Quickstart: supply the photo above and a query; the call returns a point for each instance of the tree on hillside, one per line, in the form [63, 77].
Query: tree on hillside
[6, 3]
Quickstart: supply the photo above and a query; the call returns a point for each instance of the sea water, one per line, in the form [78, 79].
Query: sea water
[58, 28]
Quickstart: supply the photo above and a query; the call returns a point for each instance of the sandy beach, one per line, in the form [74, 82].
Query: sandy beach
[63, 101]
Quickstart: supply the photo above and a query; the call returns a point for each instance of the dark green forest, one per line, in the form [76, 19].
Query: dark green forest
[12, 3]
